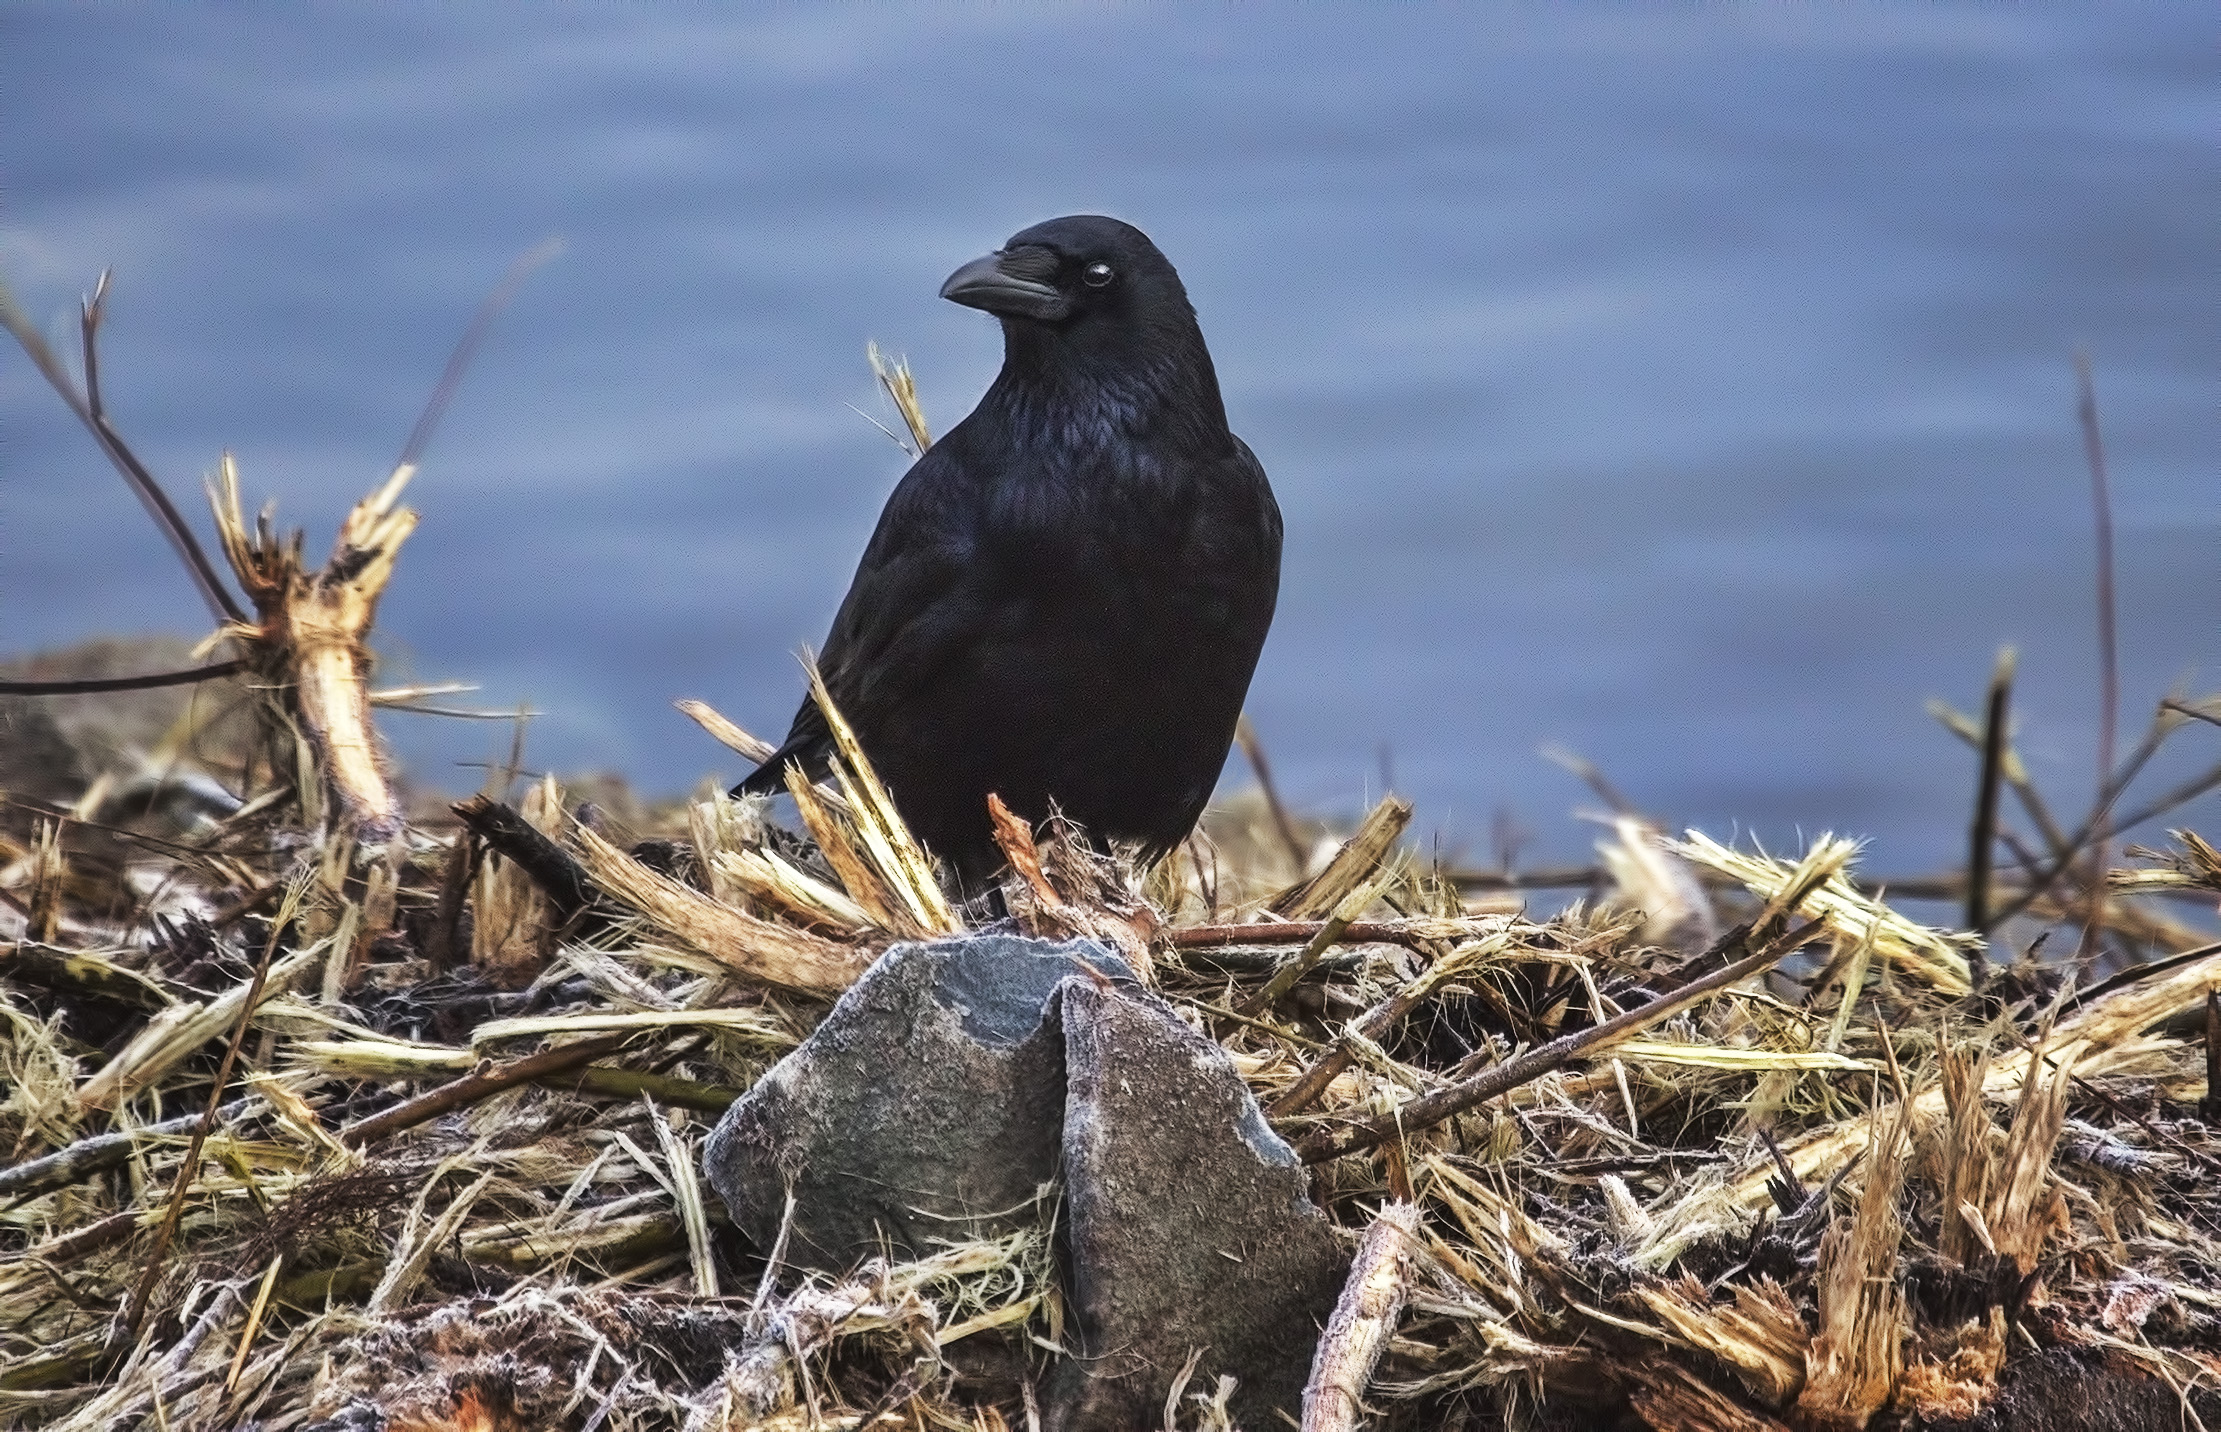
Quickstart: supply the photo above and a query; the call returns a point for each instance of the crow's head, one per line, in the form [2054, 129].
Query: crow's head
[1096, 320]
[1077, 274]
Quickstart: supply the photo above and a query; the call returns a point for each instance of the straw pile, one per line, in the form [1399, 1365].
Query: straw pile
[323, 1109]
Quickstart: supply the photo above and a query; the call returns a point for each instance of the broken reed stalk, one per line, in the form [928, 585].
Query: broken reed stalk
[1589, 774]
[1352, 865]
[1857, 1356]
[900, 859]
[254, 1322]
[1982, 839]
[855, 874]
[1364, 1319]
[764, 876]
[751, 747]
[1425, 1112]
[759, 949]
[483, 1082]
[443, 942]
[2209, 1108]
[2095, 1031]
[2208, 711]
[1015, 838]
[312, 639]
[1090, 912]
[895, 380]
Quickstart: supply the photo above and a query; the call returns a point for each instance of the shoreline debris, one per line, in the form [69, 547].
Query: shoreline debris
[327, 1104]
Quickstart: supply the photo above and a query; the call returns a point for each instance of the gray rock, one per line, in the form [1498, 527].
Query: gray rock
[928, 1105]
[1189, 1225]
[956, 1078]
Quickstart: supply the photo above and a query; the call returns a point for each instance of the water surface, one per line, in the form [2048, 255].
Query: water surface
[1693, 389]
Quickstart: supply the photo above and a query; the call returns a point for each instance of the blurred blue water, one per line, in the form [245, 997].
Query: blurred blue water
[1690, 388]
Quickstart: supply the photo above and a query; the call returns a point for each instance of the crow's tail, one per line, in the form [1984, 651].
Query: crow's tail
[770, 778]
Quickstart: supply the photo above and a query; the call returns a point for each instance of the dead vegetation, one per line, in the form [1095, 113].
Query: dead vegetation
[321, 1109]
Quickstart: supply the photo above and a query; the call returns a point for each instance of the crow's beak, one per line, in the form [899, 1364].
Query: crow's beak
[1011, 283]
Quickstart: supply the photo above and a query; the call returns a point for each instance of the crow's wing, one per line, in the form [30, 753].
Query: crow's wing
[920, 593]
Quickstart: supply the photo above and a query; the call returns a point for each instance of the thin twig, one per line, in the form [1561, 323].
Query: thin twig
[1585, 770]
[244, 906]
[631, 1084]
[1286, 977]
[150, 492]
[79, 1161]
[1576, 877]
[1295, 932]
[1983, 838]
[1373, 1025]
[2154, 736]
[93, 686]
[1253, 750]
[1447, 1103]
[458, 362]
[481, 1083]
[2159, 805]
[221, 604]
[2109, 672]
[1331, 930]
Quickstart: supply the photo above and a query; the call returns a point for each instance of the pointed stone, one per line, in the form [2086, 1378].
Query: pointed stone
[927, 1106]
[1189, 1224]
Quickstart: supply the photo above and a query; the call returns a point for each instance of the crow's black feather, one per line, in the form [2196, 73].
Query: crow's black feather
[1066, 596]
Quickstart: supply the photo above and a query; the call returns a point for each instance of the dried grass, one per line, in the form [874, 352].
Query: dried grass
[453, 1175]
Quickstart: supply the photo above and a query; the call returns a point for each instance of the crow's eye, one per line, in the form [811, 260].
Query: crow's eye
[1097, 275]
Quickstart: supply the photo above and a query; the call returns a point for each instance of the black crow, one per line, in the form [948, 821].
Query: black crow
[1066, 595]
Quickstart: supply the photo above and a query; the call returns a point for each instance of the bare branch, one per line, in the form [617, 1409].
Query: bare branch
[1451, 1100]
[221, 604]
[89, 686]
[1983, 837]
[2109, 639]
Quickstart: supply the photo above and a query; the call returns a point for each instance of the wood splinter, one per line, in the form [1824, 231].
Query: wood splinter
[1364, 1319]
